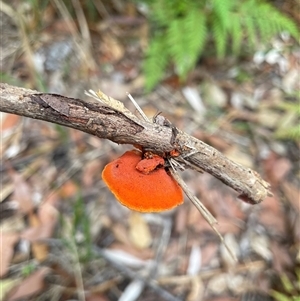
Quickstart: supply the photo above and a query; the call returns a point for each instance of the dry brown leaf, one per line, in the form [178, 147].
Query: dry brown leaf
[296, 233]
[181, 219]
[225, 299]
[112, 49]
[280, 169]
[224, 204]
[199, 224]
[272, 215]
[196, 221]
[52, 199]
[281, 257]
[91, 172]
[8, 241]
[30, 286]
[40, 251]
[78, 140]
[96, 297]
[48, 214]
[68, 189]
[141, 254]
[196, 290]
[36, 232]
[22, 192]
[104, 286]
[62, 27]
[276, 169]
[120, 233]
[292, 193]
[42, 227]
[209, 252]
[9, 121]
[228, 225]
[139, 232]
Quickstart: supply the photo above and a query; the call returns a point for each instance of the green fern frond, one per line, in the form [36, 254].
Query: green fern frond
[236, 33]
[176, 40]
[265, 29]
[274, 20]
[186, 24]
[196, 33]
[262, 21]
[166, 11]
[222, 10]
[163, 15]
[195, 36]
[248, 22]
[220, 37]
[186, 37]
[156, 62]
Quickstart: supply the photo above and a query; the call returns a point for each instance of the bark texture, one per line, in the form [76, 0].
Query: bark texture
[121, 126]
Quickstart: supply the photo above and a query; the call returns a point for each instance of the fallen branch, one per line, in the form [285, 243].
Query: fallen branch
[116, 123]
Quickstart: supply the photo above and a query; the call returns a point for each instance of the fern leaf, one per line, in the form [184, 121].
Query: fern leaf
[278, 21]
[220, 36]
[222, 9]
[196, 33]
[176, 40]
[236, 33]
[263, 20]
[161, 15]
[155, 63]
[186, 38]
[168, 10]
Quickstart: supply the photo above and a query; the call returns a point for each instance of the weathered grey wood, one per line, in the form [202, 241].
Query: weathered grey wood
[123, 127]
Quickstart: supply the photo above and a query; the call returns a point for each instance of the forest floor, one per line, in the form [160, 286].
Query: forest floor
[64, 236]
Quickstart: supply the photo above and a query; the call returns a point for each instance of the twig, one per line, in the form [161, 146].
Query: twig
[118, 124]
[138, 108]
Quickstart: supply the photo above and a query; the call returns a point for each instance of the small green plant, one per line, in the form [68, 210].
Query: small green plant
[291, 290]
[183, 30]
[76, 232]
[289, 127]
[81, 224]
[28, 269]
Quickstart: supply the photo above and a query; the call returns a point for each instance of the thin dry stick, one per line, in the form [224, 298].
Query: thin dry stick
[202, 209]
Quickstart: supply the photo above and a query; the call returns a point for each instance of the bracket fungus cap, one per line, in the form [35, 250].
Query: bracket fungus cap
[152, 192]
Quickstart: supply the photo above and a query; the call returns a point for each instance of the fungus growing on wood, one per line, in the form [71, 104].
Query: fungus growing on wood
[150, 190]
[149, 164]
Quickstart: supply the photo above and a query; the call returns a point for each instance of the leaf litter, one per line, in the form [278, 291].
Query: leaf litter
[265, 237]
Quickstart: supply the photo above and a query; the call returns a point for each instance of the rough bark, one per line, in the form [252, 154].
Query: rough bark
[121, 126]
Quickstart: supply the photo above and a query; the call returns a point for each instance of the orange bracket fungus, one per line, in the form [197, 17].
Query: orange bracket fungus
[142, 184]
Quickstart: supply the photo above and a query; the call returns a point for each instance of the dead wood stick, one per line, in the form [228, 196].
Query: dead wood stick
[119, 125]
